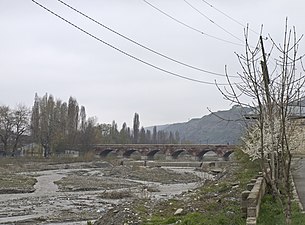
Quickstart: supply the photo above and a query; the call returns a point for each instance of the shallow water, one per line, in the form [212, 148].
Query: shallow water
[48, 201]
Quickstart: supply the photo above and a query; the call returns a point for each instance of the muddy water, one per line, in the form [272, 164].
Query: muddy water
[47, 202]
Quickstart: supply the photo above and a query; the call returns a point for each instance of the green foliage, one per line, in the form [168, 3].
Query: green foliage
[271, 213]
[249, 168]
[196, 218]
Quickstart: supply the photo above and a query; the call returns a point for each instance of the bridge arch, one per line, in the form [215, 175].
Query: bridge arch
[204, 152]
[227, 155]
[129, 152]
[105, 152]
[152, 153]
[180, 152]
[176, 153]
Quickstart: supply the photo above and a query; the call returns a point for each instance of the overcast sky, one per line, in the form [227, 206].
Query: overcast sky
[39, 53]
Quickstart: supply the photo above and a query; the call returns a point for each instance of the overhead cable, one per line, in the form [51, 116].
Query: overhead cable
[213, 22]
[127, 54]
[190, 27]
[229, 17]
[141, 45]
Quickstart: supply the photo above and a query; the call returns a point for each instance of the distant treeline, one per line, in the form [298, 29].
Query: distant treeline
[57, 126]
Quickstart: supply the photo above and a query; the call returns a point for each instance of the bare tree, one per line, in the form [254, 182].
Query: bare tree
[13, 124]
[272, 136]
[21, 123]
[6, 126]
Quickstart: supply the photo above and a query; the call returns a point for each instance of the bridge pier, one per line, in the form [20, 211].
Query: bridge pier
[144, 157]
[168, 157]
[196, 158]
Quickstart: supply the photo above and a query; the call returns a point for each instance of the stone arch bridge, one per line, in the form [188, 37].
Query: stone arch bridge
[171, 151]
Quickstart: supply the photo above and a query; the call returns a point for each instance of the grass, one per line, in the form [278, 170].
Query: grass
[115, 194]
[12, 183]
[28, 164]
[196, 218]
[271, 213]
[215, 203]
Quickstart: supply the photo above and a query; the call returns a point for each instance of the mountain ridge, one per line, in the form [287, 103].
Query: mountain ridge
[221, 127]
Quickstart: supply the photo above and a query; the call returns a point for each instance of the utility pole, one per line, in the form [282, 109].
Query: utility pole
[265, 73]
[269, 103]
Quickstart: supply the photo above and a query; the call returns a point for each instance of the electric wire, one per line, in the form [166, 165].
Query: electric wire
[190, 27]
[127, 54]
[229, 17]
[141, 45]
[212, 21]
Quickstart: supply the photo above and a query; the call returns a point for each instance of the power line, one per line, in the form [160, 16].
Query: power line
[141, 45]
[228, 16]
[190, 27]
[125, 53]
[213, 22]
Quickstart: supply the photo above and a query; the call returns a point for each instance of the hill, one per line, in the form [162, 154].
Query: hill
[222, 127]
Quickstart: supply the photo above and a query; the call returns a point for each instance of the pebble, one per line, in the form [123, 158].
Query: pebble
[178, 212]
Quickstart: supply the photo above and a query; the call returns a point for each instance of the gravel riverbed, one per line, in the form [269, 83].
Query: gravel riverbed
[74, 193]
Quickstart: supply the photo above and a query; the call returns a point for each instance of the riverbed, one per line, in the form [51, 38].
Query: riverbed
[75, 195]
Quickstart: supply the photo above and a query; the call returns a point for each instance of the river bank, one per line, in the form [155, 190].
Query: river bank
[77, 192]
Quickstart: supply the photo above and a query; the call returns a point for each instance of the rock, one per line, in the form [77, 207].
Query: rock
[235, 187]
[230, 213]
[101, 210]
[178, 212]
[235, 184]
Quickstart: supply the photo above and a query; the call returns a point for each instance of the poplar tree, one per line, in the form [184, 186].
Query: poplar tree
[136, 128]
[73, 120]
[155, 135]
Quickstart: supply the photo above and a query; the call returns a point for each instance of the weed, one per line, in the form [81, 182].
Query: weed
[271, 213]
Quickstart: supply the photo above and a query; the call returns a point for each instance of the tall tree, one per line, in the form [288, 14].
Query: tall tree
[136, 128]
[142, 136]
[114, 133]
[46, 121]
[59, 137]
[83, 120]
[73, 120]
[35, 118]
[273, 136]
[90, 134]
[155, 135]
[124, 135]
[148, 137]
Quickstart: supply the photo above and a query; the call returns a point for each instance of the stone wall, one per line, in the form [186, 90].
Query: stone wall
[251, 199]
